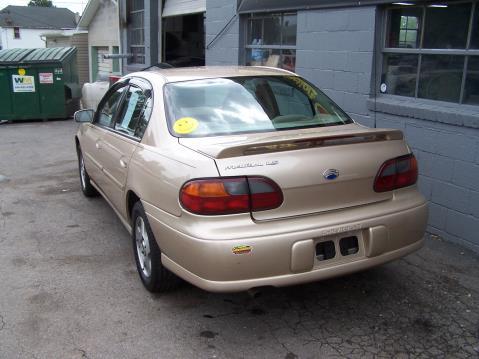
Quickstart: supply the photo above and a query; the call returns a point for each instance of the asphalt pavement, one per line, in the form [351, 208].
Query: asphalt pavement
[69, 287]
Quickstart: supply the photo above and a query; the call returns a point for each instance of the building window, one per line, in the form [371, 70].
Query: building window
[431, 51]
[16, 32]
[271, 40]
[136, 31]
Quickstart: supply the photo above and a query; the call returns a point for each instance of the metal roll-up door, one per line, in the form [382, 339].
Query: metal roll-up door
[104, 65]
[183, 7]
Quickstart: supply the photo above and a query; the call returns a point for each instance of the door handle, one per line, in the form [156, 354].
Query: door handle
[98, 145]
[123, 163]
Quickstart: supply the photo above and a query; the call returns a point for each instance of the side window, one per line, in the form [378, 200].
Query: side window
[135, 113]
[108, 108]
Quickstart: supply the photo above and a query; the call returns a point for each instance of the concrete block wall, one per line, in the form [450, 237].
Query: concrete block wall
[225, 49]
[335, 51]
[448, 157]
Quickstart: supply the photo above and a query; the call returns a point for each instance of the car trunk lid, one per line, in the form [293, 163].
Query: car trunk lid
[318, 170]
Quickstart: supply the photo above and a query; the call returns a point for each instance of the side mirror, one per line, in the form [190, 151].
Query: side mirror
[83, 116]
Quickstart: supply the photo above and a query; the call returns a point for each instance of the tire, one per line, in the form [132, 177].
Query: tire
[155, 277]
[85, 184]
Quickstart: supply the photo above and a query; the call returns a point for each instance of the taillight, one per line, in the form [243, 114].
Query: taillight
[396, 173]
[215, 196]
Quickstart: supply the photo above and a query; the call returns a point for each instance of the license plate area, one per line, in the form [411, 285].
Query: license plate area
[342, 247]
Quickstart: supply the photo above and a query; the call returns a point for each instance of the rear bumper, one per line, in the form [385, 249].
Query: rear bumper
[289, 279]
[288, 257]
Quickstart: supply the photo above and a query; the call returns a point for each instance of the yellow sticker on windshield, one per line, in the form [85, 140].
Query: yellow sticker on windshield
[307, 88]
[185, 125]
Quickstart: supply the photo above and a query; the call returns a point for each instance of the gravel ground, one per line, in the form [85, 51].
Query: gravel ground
[69, 287]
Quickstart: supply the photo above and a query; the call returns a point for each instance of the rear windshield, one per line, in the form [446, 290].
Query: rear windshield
[223, 106]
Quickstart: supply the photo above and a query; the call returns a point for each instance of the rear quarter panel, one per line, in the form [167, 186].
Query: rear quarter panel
[157, 174]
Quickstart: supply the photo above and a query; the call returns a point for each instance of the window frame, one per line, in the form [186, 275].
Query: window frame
[130, 28]
[143, 85]
[268, 15]
[105, 98]
[16, 33]
[465, 53]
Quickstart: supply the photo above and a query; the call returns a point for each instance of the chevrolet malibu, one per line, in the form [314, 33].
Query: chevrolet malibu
[234, 178]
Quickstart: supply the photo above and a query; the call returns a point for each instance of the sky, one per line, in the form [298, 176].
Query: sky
[73, 5]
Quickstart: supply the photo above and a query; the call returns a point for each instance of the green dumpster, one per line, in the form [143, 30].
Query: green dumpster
[38, 83]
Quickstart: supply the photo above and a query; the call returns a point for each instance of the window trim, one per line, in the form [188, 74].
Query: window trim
[420, 51]
[144, 86]
[105, 98]
[138, 82]
[16, 31]
[130, 28]
[262, 16]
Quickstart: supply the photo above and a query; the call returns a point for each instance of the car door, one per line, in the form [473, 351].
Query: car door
[120, 142]
[92, 140]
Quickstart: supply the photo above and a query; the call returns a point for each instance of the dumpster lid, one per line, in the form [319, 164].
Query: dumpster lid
[49, 54]
[30, 56]
[12, 56]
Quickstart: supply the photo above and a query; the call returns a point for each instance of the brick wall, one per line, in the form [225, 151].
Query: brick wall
[224, 51]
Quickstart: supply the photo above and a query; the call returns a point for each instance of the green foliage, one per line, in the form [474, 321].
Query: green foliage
[44, 3]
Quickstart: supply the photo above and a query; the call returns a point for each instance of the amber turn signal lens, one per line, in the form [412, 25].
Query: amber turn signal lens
[216, 196]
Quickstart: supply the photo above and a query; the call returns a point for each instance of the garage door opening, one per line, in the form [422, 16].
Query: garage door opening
[184, 40]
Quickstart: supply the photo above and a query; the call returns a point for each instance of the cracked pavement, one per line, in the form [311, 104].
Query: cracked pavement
[69, 287]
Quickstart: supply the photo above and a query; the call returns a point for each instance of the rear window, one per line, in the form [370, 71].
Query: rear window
[224, 106]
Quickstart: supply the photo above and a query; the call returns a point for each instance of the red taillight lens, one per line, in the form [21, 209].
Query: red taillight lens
[265, 194]
[215, 196]
[396, 173]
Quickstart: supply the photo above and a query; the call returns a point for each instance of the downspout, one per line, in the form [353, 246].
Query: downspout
[6, 37]
[120, 44]
[44, 39]
[222, 31]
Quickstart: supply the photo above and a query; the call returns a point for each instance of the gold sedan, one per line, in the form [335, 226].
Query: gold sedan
[240, 177]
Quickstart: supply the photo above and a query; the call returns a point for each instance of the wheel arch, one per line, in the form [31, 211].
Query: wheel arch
[131, 199]
[77, 143]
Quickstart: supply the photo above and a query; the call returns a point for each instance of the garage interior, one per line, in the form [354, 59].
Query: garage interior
[183, 33]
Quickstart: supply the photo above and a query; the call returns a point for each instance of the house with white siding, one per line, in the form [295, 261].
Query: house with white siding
[101, 20]
[25, 26]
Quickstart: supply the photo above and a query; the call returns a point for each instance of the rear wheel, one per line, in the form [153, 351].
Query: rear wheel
[86, 186]
[155, 277]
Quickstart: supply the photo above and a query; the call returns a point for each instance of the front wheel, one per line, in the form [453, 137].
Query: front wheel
[155, 277]
[86, 186]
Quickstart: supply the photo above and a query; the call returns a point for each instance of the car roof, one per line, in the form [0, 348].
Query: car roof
[205, 72]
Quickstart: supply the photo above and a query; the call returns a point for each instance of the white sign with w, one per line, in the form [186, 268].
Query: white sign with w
[23, 83]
